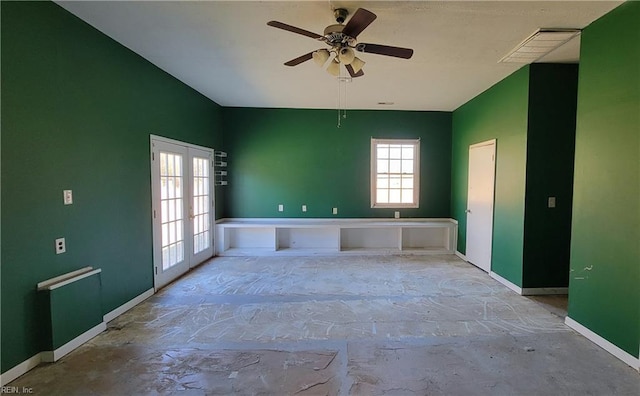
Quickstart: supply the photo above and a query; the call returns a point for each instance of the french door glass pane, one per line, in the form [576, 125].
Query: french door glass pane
[171, 216]
[201, 239]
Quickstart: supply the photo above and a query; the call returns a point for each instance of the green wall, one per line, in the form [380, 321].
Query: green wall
[296, 157]
[77, 111]
[604, 288]
[499, 113]
[550, 152]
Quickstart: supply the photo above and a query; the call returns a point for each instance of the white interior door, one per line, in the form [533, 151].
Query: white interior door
[480, 195]
[183, 207]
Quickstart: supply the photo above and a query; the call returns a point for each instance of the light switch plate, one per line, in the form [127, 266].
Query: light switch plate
[335, 211]
[67, 196]
[551, 202]
[281, 208]
[304, 208]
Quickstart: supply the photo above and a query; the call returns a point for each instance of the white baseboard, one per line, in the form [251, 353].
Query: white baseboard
[604, 344]
[505, 282]
[52, 356]
[127, 306]
[544, 291]
[20, 369]
[462, 256]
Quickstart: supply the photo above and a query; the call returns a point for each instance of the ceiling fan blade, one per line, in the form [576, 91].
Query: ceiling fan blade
[300, 59]
[404, 53]
[293, 29]
[352, 72]
[358, 22]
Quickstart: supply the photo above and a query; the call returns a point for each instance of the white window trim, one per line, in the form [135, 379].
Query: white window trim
[416, 173]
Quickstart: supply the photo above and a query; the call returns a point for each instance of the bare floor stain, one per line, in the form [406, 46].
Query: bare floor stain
[336, 326]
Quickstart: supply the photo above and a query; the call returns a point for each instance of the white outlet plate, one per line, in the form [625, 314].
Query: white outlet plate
[281, 208]
[396, 215]
[304, 208]
[61, 246]
[67, 196]
[335, 211]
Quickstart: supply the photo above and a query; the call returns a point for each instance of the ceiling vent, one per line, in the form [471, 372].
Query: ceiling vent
[539, 44]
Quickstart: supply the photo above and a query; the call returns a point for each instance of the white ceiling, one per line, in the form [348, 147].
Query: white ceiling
[225, 50]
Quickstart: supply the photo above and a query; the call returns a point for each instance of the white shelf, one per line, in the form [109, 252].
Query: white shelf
[257, 237]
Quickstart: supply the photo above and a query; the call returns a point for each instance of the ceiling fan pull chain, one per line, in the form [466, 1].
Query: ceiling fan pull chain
[344, 114]
[339, 103]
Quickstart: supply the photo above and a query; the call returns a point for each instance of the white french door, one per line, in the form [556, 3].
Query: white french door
[183, 207]
[480, 204]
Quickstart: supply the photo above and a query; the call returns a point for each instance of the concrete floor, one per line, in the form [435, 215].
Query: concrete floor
[408, 325]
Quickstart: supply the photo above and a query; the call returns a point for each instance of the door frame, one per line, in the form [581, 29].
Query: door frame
[490, 142]
[156, 258]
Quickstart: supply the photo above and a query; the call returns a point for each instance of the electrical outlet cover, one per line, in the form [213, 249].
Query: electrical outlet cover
[60, 246]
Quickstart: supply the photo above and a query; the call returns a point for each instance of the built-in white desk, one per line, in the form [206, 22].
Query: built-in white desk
[253, 237]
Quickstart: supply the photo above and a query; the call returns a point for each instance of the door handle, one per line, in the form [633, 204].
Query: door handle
[468, 211]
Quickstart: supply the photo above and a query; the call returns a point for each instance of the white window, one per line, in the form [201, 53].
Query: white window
[395, 173]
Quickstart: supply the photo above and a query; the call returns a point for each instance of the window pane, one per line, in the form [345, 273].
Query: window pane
[394, 196]
[407, 182]
[407, 166]
[394, 182]
[382, 182]
[407, 152]
[165, 257]
[394, 166]
[407, 196]
[164, 212]
[394, 152]
[170, 165]
[163, 188]
[178, 184]
[171, 185]
[383, 166]
[382, 196]
[172, 232]
[383, 151]
[165, 235]
[172, 210]
[179, 230]
[178, 165]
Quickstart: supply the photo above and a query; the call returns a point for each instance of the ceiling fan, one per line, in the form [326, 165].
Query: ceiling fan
[342, 40]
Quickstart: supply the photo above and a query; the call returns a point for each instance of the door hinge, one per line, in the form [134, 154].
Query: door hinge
[154, 214]
[156, 270]
[153, 156]
[493, 157]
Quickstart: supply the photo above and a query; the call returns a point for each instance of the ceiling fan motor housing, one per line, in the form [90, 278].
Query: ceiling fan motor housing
[340, 14]
[334, 36]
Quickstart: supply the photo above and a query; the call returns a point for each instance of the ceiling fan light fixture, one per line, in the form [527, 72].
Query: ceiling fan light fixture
[346, 55]
[357, 64]
[320, 57]
[334, 67]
